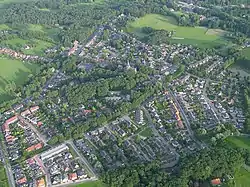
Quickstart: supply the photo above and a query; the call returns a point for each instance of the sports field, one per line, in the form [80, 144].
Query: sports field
[199, 36]
[13, 71]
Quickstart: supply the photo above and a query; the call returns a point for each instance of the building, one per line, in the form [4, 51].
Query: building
[72, 176]
[34, 109]
[54, 151]
[40, 183]
[216, 182]
[11, 120]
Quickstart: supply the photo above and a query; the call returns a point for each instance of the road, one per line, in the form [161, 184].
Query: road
[183, 114]
[151, 124]
[34, 130]
[7, 166]
[83, 159]
[76, 182]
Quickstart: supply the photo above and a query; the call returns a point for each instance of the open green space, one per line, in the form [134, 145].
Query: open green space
[199, 36]
[3, 177]
[91, 184]
[241, 179]
[36, 47]
[239, 141]
[14, 1]
[4, 27]
[13, 71]
[243, 65]
[146, 132]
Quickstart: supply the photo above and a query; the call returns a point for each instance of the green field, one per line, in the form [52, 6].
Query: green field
[241, 179]
[13, 71]
[199, 36]
[239, 141]
[91, 184]
[37, 47]
[146, 132]
[3, 177]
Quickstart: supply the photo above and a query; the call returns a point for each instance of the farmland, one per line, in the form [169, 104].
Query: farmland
[13, 71]
[199, 36]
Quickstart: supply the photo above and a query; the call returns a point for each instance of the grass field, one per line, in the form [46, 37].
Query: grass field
[199, 36]
[241, 179]
[37, 47]
[4, 27]
[13, 70]
[146, 132]
[239, 141]
[91, 184]
[3, 177]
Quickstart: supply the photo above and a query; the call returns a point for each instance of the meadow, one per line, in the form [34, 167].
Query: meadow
[199, 36]
[91, 184]
[37, 46]
[239, 141]
[3, 177]
[14, 71]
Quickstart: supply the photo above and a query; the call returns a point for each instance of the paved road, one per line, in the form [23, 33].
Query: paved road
[7, 166]
[34, 130]
[151, 124]
[82, 158]
[183, 114]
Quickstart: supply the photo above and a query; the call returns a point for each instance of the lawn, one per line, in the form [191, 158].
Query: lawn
[241, 179]
[16, 71]
[3, 177]
[199, 36]
[239, 141]
[4, 27]
[91, 184]
[146, 132]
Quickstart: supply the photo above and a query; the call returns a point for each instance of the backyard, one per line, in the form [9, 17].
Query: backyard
[199, 36]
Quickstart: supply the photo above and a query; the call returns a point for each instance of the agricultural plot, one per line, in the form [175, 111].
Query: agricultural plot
[13, 71]
[199, 36]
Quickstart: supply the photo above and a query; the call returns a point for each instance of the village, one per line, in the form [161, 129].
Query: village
[173, 122]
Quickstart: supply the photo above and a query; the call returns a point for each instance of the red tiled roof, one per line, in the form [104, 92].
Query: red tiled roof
[6, 127]
[38, 146]
[22, 180]
[11, 120]
[72, 176]
[216, 181]
[34, 109]
[31, 148]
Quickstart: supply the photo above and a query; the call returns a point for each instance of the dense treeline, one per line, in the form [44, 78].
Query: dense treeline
[204, 165]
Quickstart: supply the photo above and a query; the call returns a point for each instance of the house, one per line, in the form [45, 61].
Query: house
[216, 182]
[38, 146]
[11, 120]
[34, 109]
[81, 174]
[26, 112]
[72, 176]
[40, 183]
[6, 127]
[22, 180]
